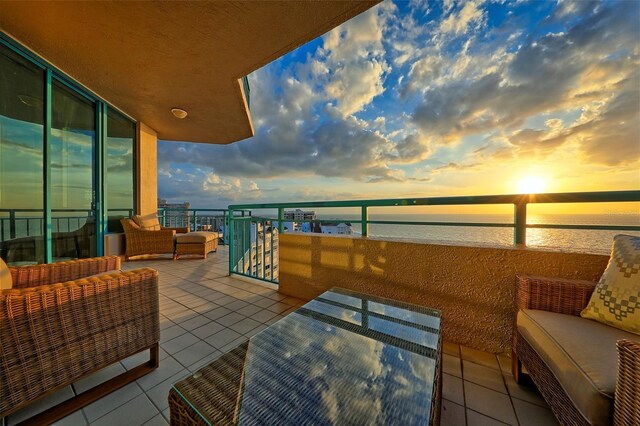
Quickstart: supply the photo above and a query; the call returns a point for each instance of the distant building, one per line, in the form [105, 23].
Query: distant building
[175, 214]
[336, 229]
[300, 215]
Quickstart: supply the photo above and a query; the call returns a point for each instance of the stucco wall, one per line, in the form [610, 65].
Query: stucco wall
[147, 167]
[473, 286]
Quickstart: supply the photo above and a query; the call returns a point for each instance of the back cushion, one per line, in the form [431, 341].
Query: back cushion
[5, 276]
[147, 222]
[616, 299]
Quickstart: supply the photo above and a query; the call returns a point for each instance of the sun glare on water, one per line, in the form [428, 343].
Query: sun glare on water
[531, 185]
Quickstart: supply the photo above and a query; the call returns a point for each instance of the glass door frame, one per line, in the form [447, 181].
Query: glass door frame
[101, 212]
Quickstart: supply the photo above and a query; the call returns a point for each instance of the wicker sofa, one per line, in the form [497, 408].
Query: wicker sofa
[141, 241]
[572, 360]
[58, 326]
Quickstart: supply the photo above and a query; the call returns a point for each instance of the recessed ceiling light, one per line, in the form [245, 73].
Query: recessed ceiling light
[179, 113]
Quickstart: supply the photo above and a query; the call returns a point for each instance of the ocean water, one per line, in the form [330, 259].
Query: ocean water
[590, 241]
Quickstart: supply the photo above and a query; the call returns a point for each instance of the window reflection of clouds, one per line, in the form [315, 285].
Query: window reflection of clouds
[332, 375]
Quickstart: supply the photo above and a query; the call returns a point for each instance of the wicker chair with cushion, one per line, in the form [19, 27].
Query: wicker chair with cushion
[150, 239]
[58, 326]
[588, 372]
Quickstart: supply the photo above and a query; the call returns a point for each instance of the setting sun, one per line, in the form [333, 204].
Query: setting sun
[531, 185]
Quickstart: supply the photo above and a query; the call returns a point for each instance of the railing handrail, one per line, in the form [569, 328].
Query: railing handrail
[519, 224]
[557, 197]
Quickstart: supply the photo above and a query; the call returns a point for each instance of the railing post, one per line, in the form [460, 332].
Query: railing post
[231, 242]
[520, 223]
[225, 229]
[364, 218]
[12, 224]
[280, 220]
[195, 220]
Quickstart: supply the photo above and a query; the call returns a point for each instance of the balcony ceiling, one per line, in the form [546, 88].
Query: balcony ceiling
[148, 57]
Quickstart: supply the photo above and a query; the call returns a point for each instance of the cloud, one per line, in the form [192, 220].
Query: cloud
[403, 93]
[458, 23]
[355, 55]
[548, 75]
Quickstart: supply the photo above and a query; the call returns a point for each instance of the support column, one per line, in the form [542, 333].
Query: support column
[147, 170]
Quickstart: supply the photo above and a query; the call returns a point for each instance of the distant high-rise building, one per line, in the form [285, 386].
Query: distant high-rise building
[298, 215]
[175, 214]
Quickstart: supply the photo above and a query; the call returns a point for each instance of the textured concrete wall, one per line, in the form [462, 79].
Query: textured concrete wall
[473, 286]
[147, 167]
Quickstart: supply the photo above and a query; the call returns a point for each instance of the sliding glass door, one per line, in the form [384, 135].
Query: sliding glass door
[66, 163]
[21, 159]
[73, 196]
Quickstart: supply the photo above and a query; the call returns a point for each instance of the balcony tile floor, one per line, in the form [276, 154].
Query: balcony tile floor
[205, 313]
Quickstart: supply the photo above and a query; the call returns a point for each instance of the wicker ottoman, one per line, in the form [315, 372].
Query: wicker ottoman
[200, 243]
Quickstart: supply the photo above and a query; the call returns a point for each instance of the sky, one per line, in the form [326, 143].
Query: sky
[419, 99]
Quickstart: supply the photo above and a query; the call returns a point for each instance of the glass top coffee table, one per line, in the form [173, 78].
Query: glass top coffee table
[343, 358]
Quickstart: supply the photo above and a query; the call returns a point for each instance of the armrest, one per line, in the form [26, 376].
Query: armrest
[178, 230]
[54, 334]
[52, 273]
[627, 397]
[552, 294]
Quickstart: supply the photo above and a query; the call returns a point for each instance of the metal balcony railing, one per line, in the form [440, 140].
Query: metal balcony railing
[214, 220]
[253, 240]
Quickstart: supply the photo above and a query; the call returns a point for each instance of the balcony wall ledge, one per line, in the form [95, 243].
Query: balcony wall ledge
[472, 284]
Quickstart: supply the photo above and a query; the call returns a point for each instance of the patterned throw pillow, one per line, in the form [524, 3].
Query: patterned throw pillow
[616, 299]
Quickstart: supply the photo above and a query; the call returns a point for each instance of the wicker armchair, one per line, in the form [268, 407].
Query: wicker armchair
[140, 241]
[58, 327]
[570, 297]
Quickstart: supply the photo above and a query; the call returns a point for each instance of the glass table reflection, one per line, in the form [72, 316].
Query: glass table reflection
[342, 358]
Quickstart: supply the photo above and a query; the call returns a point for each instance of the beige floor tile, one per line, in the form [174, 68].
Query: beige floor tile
[75, 419]
[452, 388]
[157, 420]
[489, 402]
[524, 392]
[112, 401]
[476, 419]
[222, 338]
[479, 357]
[41, 405]
[229, 320]
[485, 376]
[195, 322]
[159, 394]
[179, 343]
[452, 414]
[207, 330]
[451, 349]
[135, 412]
[451, 365]
[533, 415]
[217, 313]
[98, 377]
[205, 361]
[245, 325]
[193, 353]
[263, 315]
[168, 367]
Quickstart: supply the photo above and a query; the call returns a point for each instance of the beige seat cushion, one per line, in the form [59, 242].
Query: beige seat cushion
[148, 222]
[5, 276]
[582, 355]
[196, 237]
[616, 299]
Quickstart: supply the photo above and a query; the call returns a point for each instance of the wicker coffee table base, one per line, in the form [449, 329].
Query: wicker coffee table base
[200, 249]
